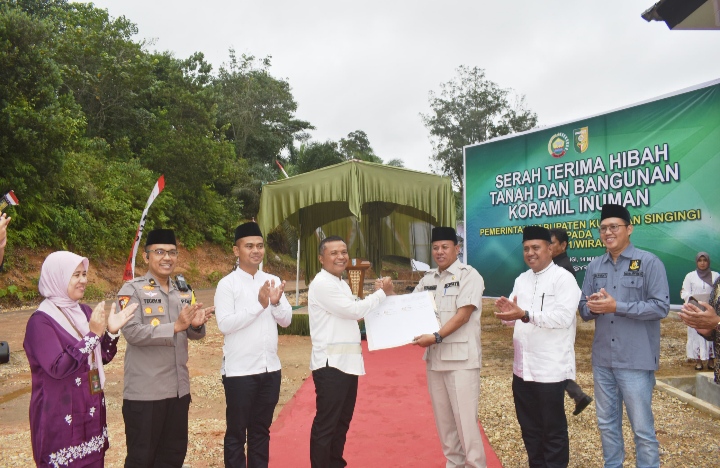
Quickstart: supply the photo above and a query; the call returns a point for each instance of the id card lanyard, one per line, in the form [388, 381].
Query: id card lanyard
[93, 373]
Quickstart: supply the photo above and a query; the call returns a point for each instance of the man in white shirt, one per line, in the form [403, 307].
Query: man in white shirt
[542, 308]
[249, 305]
[336, 360]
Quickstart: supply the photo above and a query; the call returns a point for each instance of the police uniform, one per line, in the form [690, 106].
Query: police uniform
[156, 396]
[453, 366]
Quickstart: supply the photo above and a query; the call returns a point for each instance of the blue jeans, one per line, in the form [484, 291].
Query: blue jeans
[635, 388]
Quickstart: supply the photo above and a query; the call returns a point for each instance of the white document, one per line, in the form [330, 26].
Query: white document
[399, 319]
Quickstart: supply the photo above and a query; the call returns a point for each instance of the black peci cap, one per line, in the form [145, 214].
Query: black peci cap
[611, 210]
[161, 236]
[246, 230]
[536, 233]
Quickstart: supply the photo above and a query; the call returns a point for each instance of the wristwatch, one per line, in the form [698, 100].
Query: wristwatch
[438, 338]
[525, 318]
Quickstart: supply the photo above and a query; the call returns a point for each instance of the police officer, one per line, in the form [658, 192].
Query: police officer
[453, 354]
[156, 397]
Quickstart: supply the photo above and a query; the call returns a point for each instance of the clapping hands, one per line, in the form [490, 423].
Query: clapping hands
[114, 322]
[270, 294]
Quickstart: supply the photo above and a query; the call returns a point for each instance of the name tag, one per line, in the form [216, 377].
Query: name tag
[430, 288]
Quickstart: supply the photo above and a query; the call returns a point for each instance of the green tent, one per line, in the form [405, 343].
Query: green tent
[379, 210]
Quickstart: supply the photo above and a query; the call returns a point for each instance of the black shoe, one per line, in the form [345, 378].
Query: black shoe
[582, 404]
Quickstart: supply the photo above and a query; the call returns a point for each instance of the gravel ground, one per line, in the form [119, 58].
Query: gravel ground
[688, 437]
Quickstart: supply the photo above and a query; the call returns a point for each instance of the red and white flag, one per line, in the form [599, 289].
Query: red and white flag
[8, 199]
[130, 265]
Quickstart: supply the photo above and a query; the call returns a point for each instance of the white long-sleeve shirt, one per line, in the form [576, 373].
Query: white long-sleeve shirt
[251, 337]
[334, 330]
[694, 286]
[545, 346]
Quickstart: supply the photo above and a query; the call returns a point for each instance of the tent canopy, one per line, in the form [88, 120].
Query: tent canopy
[369, 198]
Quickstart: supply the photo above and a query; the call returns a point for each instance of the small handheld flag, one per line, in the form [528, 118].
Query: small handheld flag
[8, 199]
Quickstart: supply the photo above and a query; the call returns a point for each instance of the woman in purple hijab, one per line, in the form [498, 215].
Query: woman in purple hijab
[67, 344]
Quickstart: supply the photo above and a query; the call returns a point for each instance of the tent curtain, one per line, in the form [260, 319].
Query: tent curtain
[379, 210]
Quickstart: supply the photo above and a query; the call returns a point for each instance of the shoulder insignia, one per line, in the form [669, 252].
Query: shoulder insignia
[123, 301]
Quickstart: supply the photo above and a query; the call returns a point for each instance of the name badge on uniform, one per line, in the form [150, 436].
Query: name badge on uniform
[430, 288]
[94, 380]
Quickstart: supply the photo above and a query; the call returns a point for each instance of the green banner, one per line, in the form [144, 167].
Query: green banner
[660, 159]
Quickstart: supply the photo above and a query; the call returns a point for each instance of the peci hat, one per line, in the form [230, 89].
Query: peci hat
[441, 233]
[247, 229]
[536, 233]
[611, 210]
[161, 236]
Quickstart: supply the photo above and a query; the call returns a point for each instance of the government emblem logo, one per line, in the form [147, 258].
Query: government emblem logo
[155, 322]
[558, 145]
[580, 139]
[634, 265]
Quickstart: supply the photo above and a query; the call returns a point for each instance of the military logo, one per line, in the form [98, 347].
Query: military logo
[161, 310]
[558, 145]
[148, 310]
[580, 139]
[147, 287]
[155, 322]
[123, 301]
[634, 265]
[151, 293]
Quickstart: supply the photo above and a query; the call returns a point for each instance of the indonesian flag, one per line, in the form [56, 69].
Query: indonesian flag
[130, 265]
[8, 199]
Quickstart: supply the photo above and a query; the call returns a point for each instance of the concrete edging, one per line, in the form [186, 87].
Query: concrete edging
[697, 403]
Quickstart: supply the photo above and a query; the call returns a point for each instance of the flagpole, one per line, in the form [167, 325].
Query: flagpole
[129, 272]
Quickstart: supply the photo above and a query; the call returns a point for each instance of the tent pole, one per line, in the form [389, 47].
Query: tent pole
[297, 276]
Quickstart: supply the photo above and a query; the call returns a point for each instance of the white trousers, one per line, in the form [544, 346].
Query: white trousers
[454, 396]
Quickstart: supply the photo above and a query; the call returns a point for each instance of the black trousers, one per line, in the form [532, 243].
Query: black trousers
[540, 409]
[251, 401]
[156, 432]
[335, 396]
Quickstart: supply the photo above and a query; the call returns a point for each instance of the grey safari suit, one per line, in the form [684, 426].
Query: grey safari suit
[453, 366]
[156, 357]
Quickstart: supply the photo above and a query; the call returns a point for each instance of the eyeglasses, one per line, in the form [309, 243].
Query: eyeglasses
[611, 227]
[162, 252]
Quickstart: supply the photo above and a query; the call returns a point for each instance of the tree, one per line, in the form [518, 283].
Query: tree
[316, 155]
[257, 109]
[39, 123]
[471, 109]
[357, 146]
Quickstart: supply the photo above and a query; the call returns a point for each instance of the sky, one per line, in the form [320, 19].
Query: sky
[370, 65]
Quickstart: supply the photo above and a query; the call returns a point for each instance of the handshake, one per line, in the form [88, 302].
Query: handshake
[385, 284]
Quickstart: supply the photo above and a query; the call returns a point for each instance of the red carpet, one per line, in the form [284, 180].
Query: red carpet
[393, 423]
